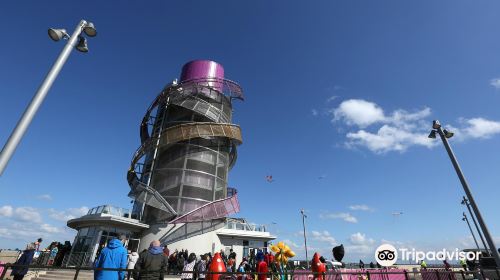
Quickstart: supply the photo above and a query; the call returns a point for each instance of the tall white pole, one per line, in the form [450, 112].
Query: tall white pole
[29, 113]
[489, 240]
[305, 237]
[472, 232]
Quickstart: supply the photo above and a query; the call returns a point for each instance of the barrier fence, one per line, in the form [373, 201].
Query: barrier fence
[338, 274]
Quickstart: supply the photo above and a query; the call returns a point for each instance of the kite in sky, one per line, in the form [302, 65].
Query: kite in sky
[269, 178]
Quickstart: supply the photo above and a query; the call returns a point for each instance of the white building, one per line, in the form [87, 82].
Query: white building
[107, 222]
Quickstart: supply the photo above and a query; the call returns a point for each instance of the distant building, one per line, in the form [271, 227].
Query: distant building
[178, 176]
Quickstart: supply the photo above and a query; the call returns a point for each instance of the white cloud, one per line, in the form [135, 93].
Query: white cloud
[495, 83]
[481, 128]
[50, 229]
[468, 242]
[323, 236]
[396, 131]
[23, 214]
[4, 232]
[27, 214]
[344, 216]
[21, 225]
[45, 197]
[6, 211]
[314, 112]
[24, 233]
[361, 207]
[474, 128]
[361, 245]
[359, 238]
[358, 112]
[16, 233]
[396, 244]
[401, 129]
[331, 98]
[388, 138]
[402, 117]
[292, 244]
[68, 214]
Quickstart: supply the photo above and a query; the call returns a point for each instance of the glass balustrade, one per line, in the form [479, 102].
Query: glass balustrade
[243, 225]
[110, 210]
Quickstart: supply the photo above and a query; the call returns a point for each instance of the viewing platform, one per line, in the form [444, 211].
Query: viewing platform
[107, 215]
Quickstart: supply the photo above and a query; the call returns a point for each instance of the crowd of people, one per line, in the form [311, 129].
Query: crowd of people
[372, 265]
[157, 260]
[56, 252]
[52, 255]
[151, 263]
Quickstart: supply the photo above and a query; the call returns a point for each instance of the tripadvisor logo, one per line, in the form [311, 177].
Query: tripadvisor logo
[386, 255]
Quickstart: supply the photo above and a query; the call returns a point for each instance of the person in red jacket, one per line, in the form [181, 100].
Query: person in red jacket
[262, 269]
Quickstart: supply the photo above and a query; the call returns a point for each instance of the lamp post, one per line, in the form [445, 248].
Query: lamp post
[466, 203]
[471, 232]
[304, 216]
[444, 134]
[75, 41]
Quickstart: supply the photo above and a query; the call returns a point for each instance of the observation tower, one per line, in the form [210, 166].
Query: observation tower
[188, 146]
[178, 175]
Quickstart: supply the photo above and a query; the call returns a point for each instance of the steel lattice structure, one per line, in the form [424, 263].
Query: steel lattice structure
[188, 146]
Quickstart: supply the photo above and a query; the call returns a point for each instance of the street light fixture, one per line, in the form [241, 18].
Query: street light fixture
[304, 216]
[89, 29]
[444, 134]
[448, 134]
[82, 45]
[29, 113]
[436, 124]
[432, 135]
[57, 34]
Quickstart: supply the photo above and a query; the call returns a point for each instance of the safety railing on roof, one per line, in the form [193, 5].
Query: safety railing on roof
[111, 210]
[291, 274]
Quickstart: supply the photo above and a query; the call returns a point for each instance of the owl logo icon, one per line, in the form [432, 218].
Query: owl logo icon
[386, 255]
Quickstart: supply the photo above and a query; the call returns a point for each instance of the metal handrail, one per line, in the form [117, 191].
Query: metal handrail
[286, 273]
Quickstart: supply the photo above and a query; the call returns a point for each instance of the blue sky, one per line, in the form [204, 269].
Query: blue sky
[340, 96]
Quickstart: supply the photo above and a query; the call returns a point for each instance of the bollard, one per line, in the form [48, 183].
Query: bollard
[406, 275]
[367, 274]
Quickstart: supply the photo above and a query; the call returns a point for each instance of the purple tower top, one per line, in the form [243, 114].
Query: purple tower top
[197, 69]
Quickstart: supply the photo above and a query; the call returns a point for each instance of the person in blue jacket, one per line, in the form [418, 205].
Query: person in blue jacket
[113, 256]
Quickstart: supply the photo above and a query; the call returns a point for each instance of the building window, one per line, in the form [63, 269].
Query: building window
[245, 249]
